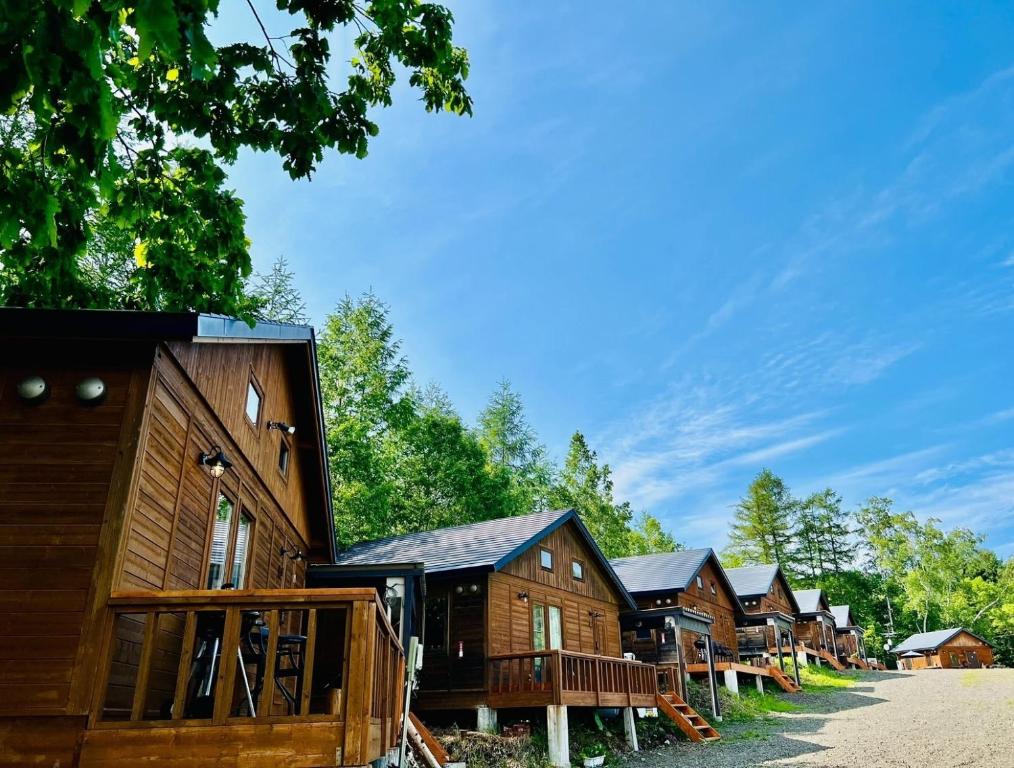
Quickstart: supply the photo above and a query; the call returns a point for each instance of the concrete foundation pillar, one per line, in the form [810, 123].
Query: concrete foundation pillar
[760, 683]
[731, 681]
[485, 720]
[801, 659]
[558, 735]
[630, 729]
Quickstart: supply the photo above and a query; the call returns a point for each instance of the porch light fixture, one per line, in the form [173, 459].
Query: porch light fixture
[281, 426]
[523, 597]
[294, 554]
[91, 391]
[33, 390]
[215, 460]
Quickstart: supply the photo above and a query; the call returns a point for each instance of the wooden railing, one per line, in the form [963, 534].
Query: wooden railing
[535, 678]
[223, 657]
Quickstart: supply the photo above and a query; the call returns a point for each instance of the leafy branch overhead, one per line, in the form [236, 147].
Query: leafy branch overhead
[129, 114]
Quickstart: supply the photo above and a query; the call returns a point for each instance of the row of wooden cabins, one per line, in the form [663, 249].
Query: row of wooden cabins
[170, 587]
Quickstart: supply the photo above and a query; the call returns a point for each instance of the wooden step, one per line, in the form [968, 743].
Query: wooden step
[686, 718]
[434, 746]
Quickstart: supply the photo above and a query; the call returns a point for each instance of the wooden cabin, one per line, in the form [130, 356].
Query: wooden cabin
[851, 638]
[954, 648]
[766, 628]
[520, 612]
[164, 488]
[815, 628]
[685, 617]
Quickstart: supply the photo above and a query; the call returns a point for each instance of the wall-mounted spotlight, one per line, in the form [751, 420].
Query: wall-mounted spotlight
[215, 460]
[471, 589]
[281, 426]
[523, 597]
[91, 391]
[293, 554]
[33, 390]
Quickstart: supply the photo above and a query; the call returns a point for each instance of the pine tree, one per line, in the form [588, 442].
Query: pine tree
[276, 296]
[762, 530]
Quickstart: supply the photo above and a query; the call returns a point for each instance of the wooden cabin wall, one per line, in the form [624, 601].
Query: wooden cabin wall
[221, 374]
[960, 646]
[62, 476]
[721, 605]
[169, 521]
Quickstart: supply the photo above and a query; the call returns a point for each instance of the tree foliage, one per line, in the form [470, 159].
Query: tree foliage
[109, 98]
[276, 297]
[762, 528]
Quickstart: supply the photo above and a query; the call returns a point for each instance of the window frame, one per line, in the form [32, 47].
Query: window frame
[253, 383]
[700, 583]
[543, 551]
[286, 446]
[580, 566]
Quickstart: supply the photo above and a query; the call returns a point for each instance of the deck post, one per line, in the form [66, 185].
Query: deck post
[558, 735]
[630, 729]
[760, 683]
[795, 667]
[486, 721]
[732, 681]
[709, 649]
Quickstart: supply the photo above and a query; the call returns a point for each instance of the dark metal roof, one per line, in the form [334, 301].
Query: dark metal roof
[488, 545]
[930, 641]
[22, 323]
[669, 571]
[660, 572]
[842, 616]
[809, 600]
[752, 580]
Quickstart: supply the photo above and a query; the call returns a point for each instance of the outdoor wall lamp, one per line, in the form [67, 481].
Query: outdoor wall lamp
[281, 426]
[91, 391]
[523, 597]
[33, 390]
[215, 460]
[471, 589]
[294, 554]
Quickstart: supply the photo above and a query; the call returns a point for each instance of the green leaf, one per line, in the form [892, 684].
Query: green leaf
[158, 28]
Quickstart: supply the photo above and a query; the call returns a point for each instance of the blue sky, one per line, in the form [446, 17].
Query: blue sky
[714, 237]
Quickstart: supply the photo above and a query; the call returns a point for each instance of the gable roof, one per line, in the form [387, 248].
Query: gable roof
[842, 616]
[197, 327]
[752, 580]
[489, 545]
[668, 571]
[809, 600]
[930, 641]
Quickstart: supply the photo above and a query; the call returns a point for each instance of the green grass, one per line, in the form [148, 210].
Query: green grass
[822, 679]
[753, 705]
[972, 678]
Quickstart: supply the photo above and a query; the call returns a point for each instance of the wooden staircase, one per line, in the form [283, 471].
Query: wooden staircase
[787, 683]
[425, 738]
[830, 659]
[859, 663]
[692, 724]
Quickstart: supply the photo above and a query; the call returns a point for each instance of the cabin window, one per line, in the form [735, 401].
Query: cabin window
[435, 631]
[538, 627]
[546, 559]
[555, 627]
[283, 457]
[577, 569]
[220, 541]
[700, 583]
[253, 402]
[241, 550]
[713, 590]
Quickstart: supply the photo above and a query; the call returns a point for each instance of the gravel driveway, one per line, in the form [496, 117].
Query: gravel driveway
[927, 719]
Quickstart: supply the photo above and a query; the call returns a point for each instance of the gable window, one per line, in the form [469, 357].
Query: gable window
[577, 570]
[230, 545]
[283, 457]
[253, 402]
[546, 559]
[700, 583]
[713, 590]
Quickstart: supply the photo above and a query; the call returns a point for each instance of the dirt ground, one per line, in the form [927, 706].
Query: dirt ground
[925, 719]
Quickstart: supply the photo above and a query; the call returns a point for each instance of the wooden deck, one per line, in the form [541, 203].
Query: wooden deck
[181, 679]
[541, 678]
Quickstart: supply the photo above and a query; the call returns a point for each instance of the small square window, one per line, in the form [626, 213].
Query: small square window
[546, 559]
[253, 404]
[283, 458]
[577, 569]
[700, 583]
